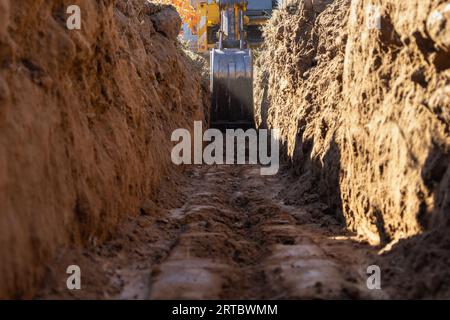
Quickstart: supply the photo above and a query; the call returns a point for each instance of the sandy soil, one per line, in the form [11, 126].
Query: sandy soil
[360, 93]
[81, 114]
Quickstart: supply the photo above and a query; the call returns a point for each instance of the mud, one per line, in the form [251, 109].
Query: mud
[231, 237]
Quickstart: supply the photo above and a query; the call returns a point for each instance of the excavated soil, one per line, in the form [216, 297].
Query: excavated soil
[85, 124]
[359, 90]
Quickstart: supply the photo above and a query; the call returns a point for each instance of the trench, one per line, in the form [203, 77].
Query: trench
[224, 232]
[88, 167]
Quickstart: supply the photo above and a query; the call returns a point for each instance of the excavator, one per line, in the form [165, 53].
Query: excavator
[228, 30]
[208, 17]
[231, 70]
[231, 66]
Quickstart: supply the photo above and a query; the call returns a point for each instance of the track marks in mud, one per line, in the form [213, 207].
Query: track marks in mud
[240, 242]
[223, 232]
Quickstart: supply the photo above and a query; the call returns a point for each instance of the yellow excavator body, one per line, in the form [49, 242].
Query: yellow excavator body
[256, 14]
[208, 26]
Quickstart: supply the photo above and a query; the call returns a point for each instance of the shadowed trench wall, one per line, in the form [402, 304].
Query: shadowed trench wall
[363, 111]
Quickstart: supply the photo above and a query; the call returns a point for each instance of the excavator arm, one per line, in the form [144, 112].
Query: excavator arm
[232, 70]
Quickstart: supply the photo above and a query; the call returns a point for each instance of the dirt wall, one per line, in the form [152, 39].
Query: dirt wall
[360, 91]
[85, 123]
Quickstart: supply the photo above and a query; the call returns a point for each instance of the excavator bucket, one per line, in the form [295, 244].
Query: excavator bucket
[232, 88]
